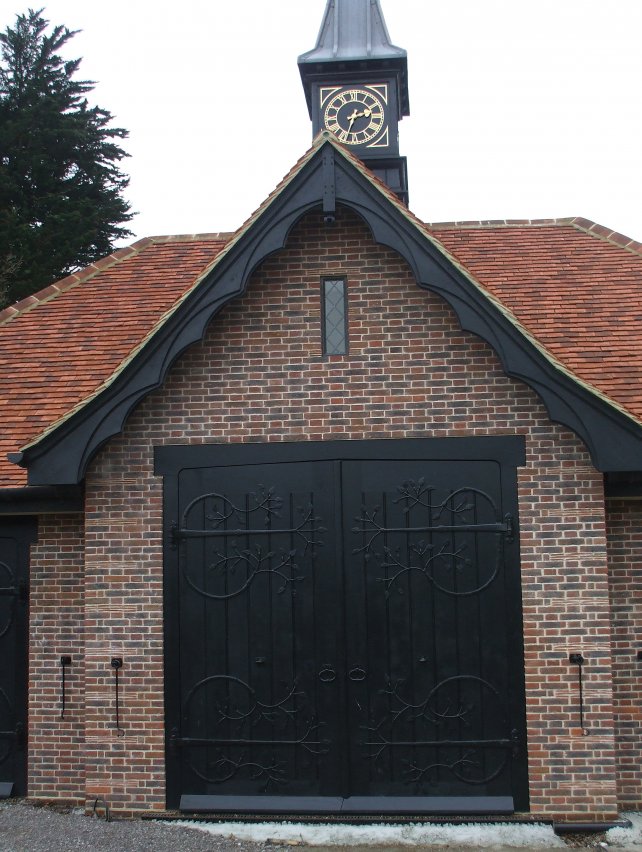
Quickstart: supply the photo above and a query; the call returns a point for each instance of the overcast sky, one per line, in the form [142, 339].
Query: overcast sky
[518, 108]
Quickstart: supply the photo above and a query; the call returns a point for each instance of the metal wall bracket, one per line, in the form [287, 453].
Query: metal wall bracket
[117, 664]
[578, 660]
[65, 662]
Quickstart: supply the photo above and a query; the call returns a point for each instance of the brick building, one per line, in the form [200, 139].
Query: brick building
[336, 513]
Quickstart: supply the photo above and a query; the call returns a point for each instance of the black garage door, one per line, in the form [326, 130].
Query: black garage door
[343, 627]
[15, 538]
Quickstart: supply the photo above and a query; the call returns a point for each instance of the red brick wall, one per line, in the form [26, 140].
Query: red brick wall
[56, 615]
[624, 531]
[411, 372]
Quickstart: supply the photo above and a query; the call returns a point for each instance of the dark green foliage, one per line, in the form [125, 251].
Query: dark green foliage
[60, 185]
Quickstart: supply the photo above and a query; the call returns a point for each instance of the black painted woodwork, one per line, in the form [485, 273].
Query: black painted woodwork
[41, 500]
[355, 805]
[613, 439]
[15, 537]
[343, 621]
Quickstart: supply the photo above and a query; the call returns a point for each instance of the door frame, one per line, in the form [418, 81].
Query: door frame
[24, 530]
[508, 451]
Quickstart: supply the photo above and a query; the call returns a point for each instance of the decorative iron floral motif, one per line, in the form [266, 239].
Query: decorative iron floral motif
[234, 701]
[8, 596]
[424, 555]
[229, 522]
[7, 737]
[437, 711]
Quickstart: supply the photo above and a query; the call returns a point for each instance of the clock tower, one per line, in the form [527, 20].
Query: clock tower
[356, 86]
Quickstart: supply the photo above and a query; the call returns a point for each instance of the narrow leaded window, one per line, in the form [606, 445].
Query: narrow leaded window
[334, 308]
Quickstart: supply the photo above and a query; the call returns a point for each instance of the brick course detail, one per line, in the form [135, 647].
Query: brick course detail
[259, 375]
[624, 535]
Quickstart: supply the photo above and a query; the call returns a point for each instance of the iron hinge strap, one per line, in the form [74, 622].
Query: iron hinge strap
[503, 743]
[18, 734]
[178, 742]
[179, 534]
[20, 591]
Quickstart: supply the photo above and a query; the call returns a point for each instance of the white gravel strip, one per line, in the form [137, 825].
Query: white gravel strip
[626, 836]
[474, 836]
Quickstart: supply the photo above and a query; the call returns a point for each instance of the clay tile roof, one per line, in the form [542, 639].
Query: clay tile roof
[573, 287]
[58, 346]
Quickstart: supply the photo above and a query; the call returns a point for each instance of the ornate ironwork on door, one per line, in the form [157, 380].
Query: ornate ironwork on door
[345, 628]
[15, 537]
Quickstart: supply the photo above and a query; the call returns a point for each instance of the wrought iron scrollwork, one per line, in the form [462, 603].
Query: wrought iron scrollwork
[9, 594]
[9, 731]
[425, 555]
[439, 711]
[229, 523]
[234, 712]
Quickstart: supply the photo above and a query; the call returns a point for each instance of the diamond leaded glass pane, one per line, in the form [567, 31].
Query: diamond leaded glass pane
[334, 317]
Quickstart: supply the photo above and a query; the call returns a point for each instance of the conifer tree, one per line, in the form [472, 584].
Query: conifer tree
[61, 204]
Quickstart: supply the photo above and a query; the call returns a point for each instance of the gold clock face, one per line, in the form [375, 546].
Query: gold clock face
[355, 116]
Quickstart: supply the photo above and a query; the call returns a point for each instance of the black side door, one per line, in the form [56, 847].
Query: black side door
[15, 539]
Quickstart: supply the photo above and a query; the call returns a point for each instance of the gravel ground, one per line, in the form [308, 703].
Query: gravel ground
[28, 828]
[24, 828]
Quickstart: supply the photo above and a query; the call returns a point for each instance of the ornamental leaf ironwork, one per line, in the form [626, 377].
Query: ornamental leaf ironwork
[437, 710]
[234, 711]
[424, 555]
[238, 527]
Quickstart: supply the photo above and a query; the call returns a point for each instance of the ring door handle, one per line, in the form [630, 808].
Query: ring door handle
[327, 673]
[357, 673]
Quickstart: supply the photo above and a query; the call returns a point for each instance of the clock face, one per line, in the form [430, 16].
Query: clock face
[355, 116]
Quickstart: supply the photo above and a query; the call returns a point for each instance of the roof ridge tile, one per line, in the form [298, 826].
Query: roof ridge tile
[607, 235]
[499, 223]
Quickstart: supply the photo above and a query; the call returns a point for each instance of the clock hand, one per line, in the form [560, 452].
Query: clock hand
[351, 119]
[355, 115]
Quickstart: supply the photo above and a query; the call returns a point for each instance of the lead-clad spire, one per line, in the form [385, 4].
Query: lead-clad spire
[354, 31]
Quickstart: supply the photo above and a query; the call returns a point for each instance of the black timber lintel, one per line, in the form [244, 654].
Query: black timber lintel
[41, 500]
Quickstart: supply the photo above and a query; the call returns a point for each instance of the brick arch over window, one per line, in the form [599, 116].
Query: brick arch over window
[324, 179]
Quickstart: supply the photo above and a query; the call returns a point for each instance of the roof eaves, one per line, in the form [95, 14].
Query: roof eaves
[233, 241]
[500, 306]
[88, 272]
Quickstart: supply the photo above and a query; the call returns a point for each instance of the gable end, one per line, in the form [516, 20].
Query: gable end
[613, 437]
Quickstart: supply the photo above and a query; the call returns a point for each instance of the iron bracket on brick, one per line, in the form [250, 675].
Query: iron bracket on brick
[117, 664]
[65, 661]
[578, 660]
[329, 187]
